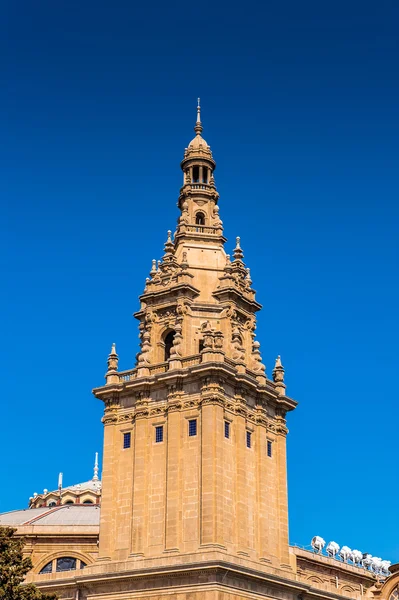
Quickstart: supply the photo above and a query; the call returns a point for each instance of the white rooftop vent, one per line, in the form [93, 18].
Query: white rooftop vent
[356, 557]
[318, 543]
[345, 553]
[332, 549]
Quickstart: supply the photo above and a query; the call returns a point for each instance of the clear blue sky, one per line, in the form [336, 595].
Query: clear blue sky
[300, 106]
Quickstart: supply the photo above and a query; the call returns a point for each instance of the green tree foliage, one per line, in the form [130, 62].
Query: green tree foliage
[14, 567]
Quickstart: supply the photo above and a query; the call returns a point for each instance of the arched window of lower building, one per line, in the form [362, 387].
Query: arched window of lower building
[47, 569]
[52, 503]
[65, 563]
[87, 502]
[394, 595]
[69, 502]
[168, 341]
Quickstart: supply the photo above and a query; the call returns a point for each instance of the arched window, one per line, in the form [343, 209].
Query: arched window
[87, 502]
[169, 343]
[200, 218]
[66, 563]
[47, 568]
[69, 502]
[195, 174]
[52, 503]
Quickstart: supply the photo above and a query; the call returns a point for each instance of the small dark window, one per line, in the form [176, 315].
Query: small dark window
[200, 219]
[192, 427]
[269, 448]
[201, 345]
[205, 175]
[249, 440]
[47, 569]
[51, 504]
[159, 433]
[126, 440]
[169, 343]
[69, 502]
[227, 429]
[87, 502]
[195, 174]
[82, 564]
[66, 563]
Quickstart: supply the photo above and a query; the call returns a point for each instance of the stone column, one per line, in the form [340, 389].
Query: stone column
[110, 461]
[172, 506]
[241, 483]
[262, 475]
[281, 458]
[140, 496]
[207, 475]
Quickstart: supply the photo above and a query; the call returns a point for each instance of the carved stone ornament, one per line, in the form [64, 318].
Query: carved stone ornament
[110, 417]
[126, 417]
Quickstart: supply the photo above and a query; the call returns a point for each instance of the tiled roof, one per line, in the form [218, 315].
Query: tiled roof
[68, 514]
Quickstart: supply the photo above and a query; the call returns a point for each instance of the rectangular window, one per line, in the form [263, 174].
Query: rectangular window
[249, 436]
[126, 440]
[192, 427]
[269, 448]
[227, 429]
[159, 433]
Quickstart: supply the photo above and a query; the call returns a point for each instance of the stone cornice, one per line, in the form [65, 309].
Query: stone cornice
[232, 294]
[175, 290]
[230, 576]
[108, 393]
[338, 568]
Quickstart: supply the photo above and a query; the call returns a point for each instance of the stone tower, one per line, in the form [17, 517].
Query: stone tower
[194, 465]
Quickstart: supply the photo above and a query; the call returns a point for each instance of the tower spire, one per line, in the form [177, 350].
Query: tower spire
[95, 476]
[198, 125]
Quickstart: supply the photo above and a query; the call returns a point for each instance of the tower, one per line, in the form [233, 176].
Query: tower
[194, 465]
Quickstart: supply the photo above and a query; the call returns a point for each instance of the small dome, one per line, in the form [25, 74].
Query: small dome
[198, 148]
[198, 143]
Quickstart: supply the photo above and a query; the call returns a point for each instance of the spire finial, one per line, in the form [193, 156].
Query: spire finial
[112, 362]
[169, 246]
[238, 253]
[278, 376]
[95, 476]
[198, 125]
